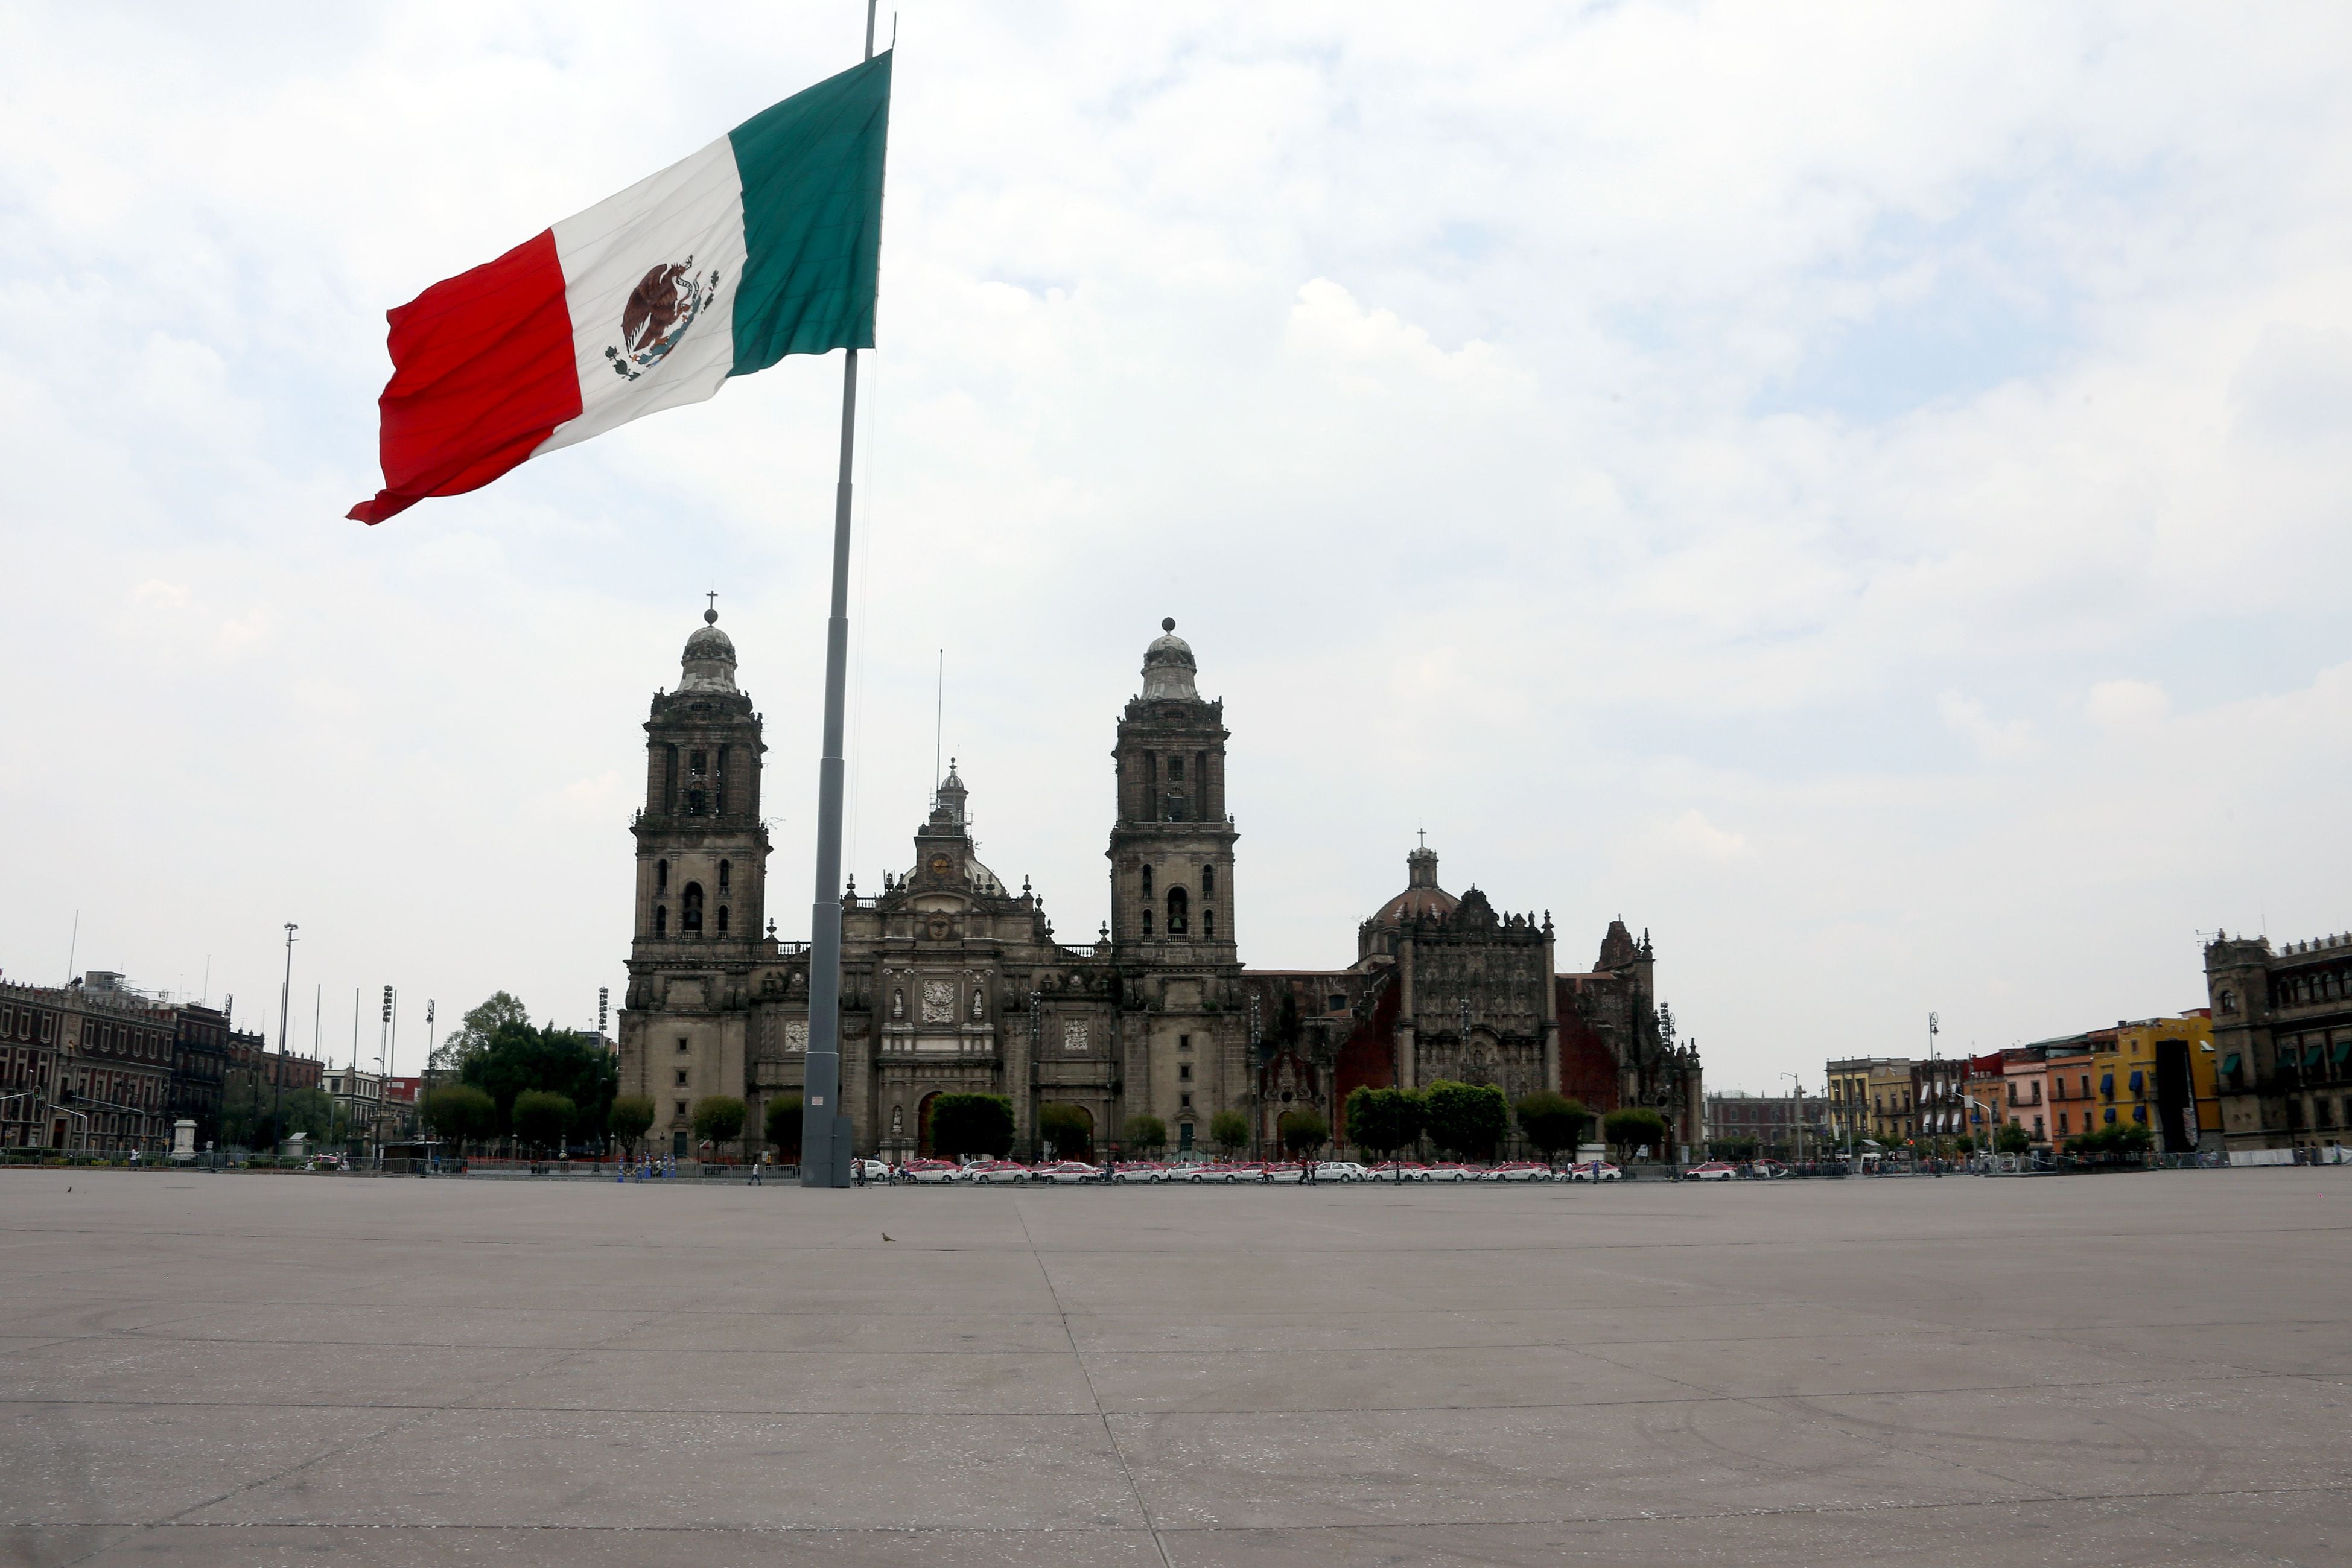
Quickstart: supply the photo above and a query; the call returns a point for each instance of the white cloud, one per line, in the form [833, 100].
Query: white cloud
[1705, 462]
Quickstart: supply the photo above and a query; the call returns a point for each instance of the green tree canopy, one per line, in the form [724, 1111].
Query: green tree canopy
[2012, 1139]
[1229, 1131]
[2115, 1138]
[1144, 1134]
[630, 1117]
[971, 1124]
[1466, 1119]
[517, 1057]
[1636, 1128]
[1302, 1130]
[542, 1118]
[1382, 1121]
[1740, 1150]
[460, 1114]
[784, 1127]
[474, 1031]
[717, 1119]
[1068, 1128]
[1551, 1121]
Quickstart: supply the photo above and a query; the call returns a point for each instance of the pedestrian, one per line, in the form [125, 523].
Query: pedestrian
[857, 1172]
[756, 1166]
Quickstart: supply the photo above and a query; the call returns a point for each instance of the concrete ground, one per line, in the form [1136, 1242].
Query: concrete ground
[259, 1369]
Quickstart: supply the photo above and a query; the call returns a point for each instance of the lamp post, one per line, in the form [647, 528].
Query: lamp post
[1797, 1088]
[285, 996]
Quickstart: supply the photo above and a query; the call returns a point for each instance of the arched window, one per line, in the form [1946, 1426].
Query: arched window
[1178, 906]
[1208, 921]
[1176, 769]
[1147, 920]
[1175, 808]
[1146, 882]
[690, 911]
[723, 869]
[1208, 882]
[661, 919]
[722, 920]
[2229, 1001]
[661, 876]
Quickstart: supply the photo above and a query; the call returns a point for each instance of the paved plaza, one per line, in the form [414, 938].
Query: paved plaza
[258, 1369]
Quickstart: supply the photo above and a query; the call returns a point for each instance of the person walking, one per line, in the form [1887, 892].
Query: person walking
[756, 1166]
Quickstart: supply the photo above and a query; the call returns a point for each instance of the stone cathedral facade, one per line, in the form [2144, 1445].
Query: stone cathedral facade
[952, 980]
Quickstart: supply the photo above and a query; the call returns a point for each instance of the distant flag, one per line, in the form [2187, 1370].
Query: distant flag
[766, 243]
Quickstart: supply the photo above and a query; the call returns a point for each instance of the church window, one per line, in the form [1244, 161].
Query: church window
[1178, 903]
[724, 869]
[1183, 1043]
[1184, 1071]
[681, 1042]
[696, 764]
[681, 1078]
[722, 920]
[690, 911]
[1208, 922]
[661, 919]
[2229, 1001]
[1175, 808]
[719, 805]
[1176, 771]
[1147, 920]
[669, 778]
[661, 876]
[681, 1111]
[1208, 882]
[1146, 882]
[694, 798]
[1185, 1101]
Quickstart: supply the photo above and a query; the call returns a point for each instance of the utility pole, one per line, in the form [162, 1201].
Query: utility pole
[285, 996]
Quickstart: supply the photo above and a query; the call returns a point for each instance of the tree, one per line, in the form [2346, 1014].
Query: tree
[1382, 1121]
[543, 1117]
[1144, 1134]
[517, 1057]
[1466, 1119]
[2012, 1140]
[1636, 1128]
[1230, 1132]
[1302, 1130]
[474, 1030]
[2115, 1138]
[971, 1124]
[630, 1117]
[458, 1114]
[1068, 1128]
[784, 1127]
[717, 1119]
[1551, 1122]
[1738, 1150]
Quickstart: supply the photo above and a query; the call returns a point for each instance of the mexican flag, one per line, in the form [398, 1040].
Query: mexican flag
[764, 244]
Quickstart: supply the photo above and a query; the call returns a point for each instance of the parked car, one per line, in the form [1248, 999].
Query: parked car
[1767, 1170]
[1595, 1171]
[1400, 1170]
[1136, 1170]
[1067, 1173]
[872, 1170]
[1518, 1170]
[1714, 1170]
[1448, 1170]
[995, 1173]
[1341, 1170]
[930, 1171]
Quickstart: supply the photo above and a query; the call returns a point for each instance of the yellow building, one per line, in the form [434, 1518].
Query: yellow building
[2161, 1072]
[1891, 1110]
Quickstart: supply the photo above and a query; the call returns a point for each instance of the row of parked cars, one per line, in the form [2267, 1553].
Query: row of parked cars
[1222, 1173]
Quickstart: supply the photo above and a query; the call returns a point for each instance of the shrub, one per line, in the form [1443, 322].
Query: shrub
[1466, 1119]
[1382, 1121]
[1637, 1127]
[717, 1119]
[459, 1113]
[1230, 1132]
[1068, 1128]
[971, 1124]
[543, 1117]
[783, 1129]
[627, 1120]
[1302, 1130]
[2116, 1139]
[1144, 1134]
[1551, 1122]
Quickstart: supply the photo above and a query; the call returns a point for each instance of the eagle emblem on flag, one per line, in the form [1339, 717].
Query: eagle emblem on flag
[661, 308]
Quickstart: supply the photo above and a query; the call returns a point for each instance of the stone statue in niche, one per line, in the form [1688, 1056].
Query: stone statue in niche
[978, 1008]
[897, 1003]
[898, 1120]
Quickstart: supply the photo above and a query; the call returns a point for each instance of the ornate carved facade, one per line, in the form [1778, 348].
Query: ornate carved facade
[952, 981]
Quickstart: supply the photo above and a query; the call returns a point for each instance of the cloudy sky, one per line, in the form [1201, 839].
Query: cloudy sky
[1859, 491]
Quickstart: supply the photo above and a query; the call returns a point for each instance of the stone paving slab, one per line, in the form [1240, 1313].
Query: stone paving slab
[2146, 1369]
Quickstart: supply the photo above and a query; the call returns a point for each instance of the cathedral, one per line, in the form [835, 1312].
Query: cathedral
[952, 981]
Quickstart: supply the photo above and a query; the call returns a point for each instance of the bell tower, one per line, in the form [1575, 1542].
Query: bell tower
[1171, 847]
[701, 890]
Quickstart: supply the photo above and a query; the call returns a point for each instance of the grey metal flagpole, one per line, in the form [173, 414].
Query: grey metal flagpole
[824, 1131]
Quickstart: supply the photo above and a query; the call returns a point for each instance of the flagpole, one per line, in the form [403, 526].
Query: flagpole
[824, 1130]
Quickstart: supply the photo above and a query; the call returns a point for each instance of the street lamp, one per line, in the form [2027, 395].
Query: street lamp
[1797, 1090]
[285, 994]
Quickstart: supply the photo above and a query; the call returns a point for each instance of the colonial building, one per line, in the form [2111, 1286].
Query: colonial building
[1785, 1126]
[88, 1066]
[952, 981]
[2282, 1025]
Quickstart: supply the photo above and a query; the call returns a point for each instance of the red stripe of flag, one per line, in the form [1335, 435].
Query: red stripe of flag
[482, 371]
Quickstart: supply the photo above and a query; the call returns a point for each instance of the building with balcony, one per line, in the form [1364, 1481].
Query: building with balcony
[2281, 1033]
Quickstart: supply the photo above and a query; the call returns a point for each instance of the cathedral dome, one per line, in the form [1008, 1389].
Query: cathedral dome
[1167, 666]
[709, 658]
[1422, 895]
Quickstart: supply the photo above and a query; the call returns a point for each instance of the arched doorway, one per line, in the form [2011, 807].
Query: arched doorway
[1069, 1128]
[923, 1125]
